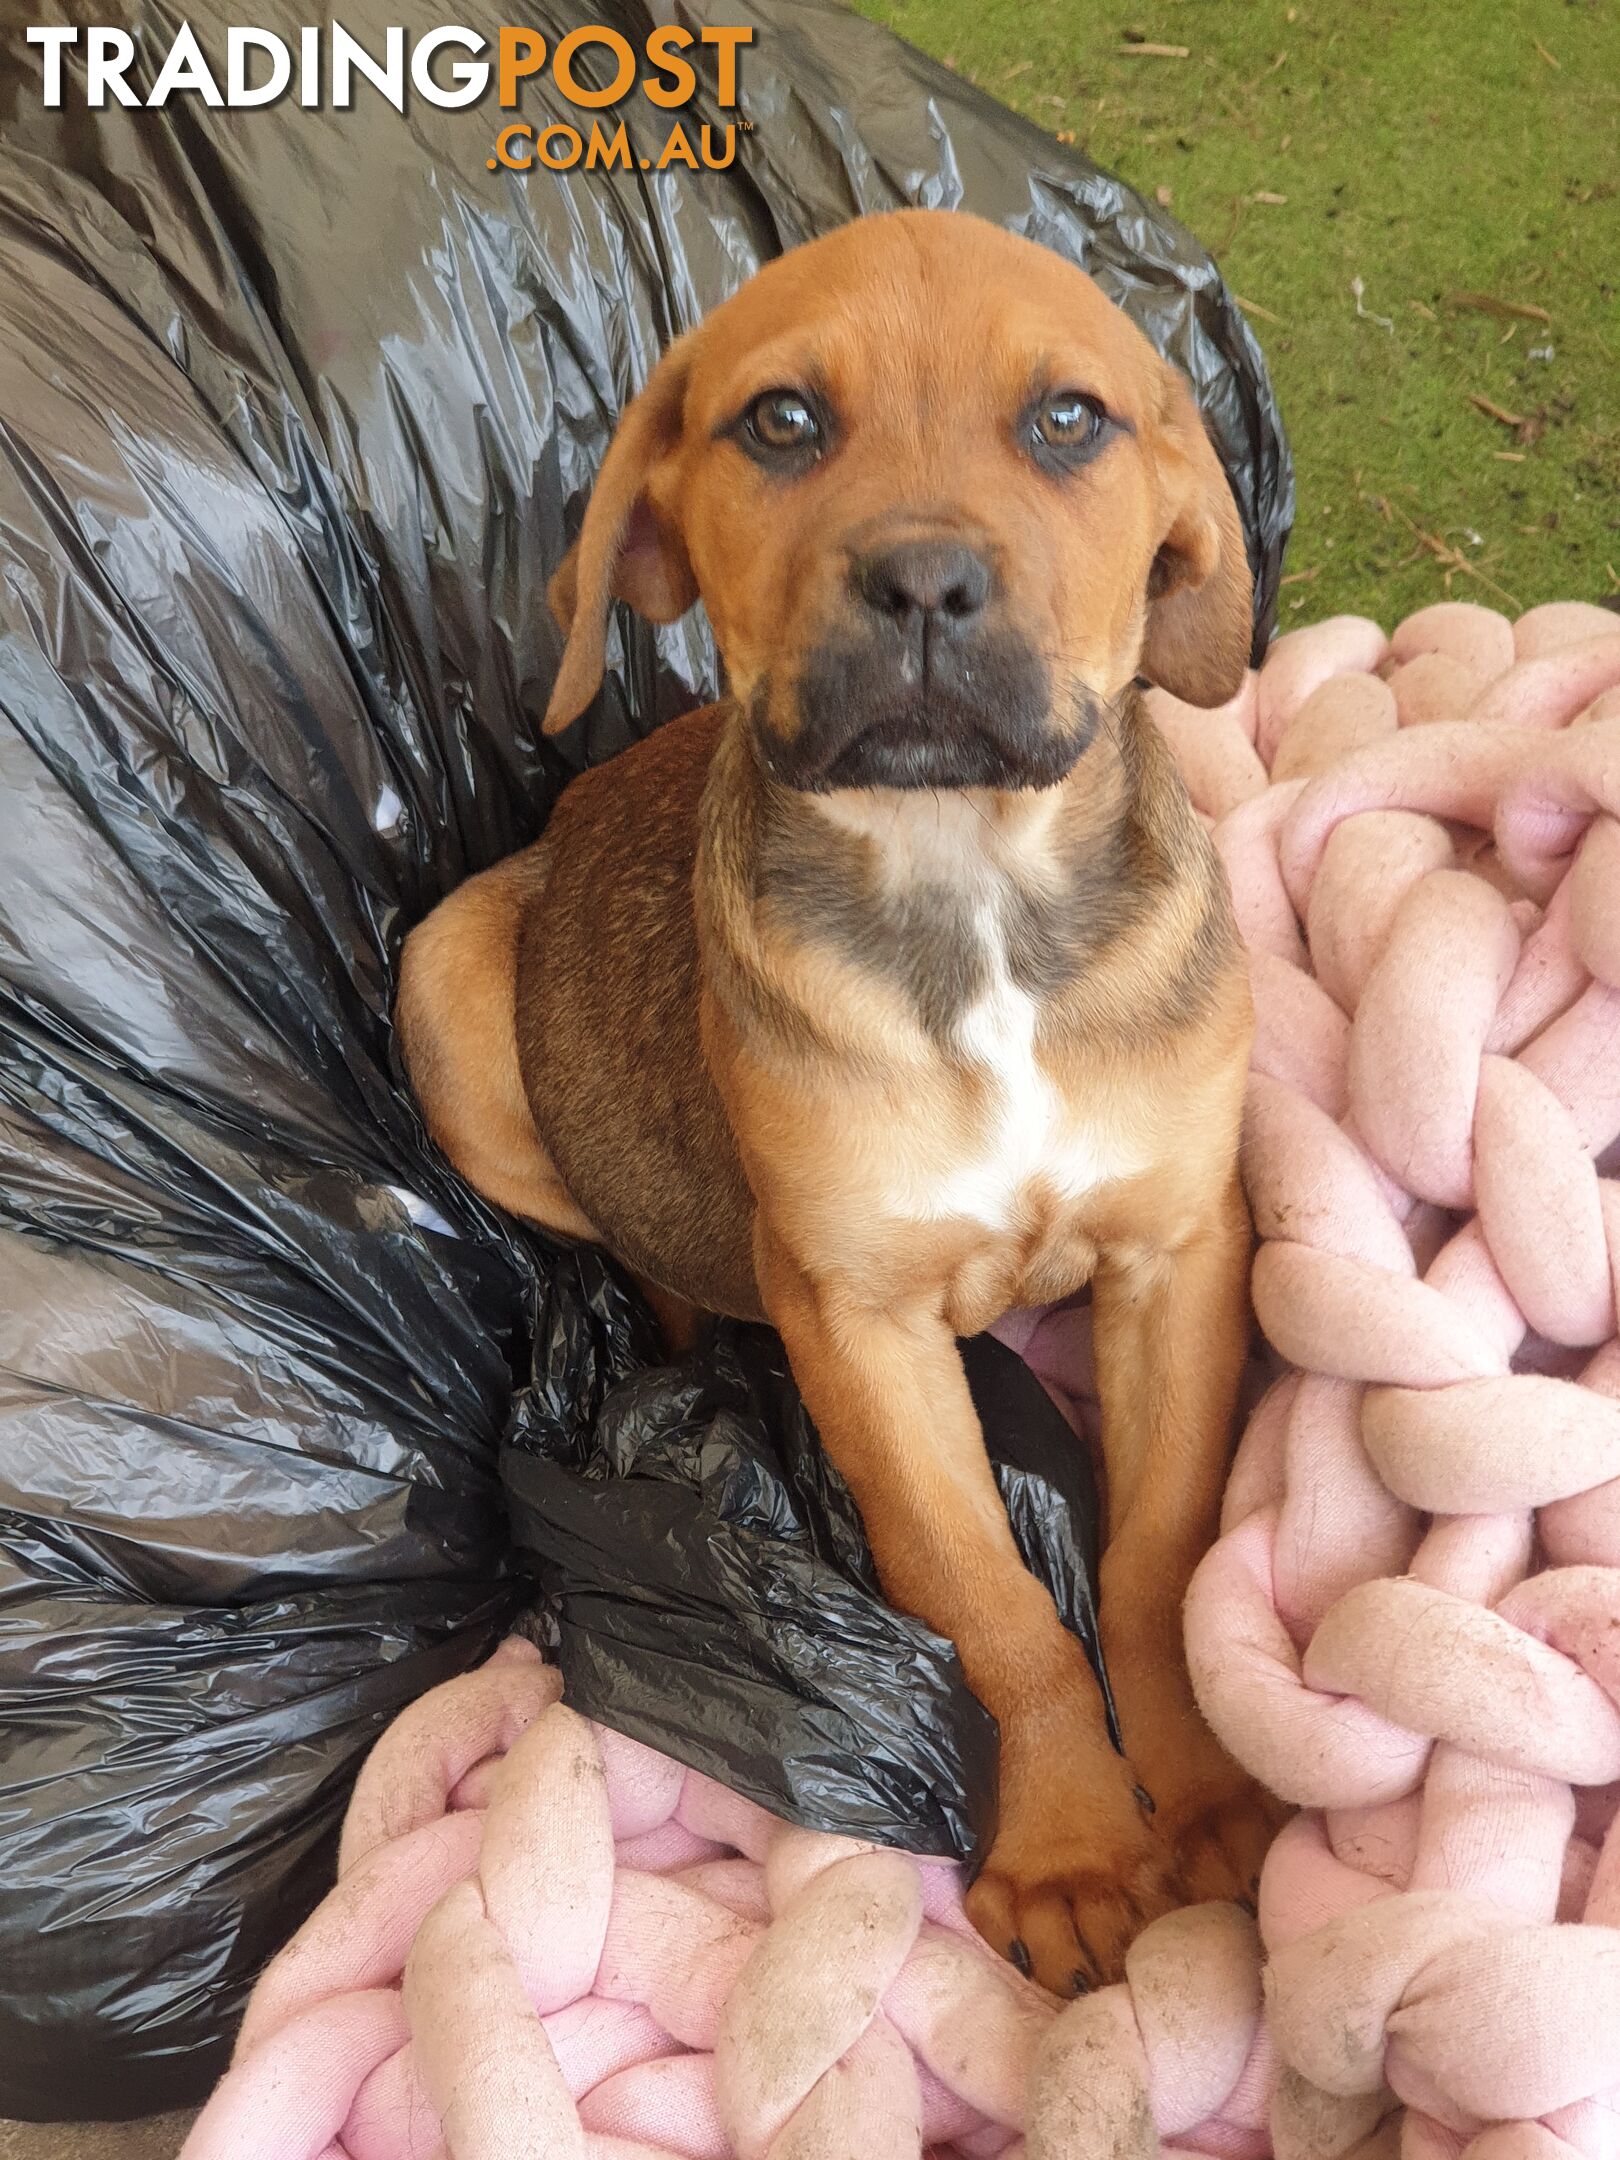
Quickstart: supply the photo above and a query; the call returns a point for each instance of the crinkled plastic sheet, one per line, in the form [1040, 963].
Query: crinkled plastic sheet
[296, 410]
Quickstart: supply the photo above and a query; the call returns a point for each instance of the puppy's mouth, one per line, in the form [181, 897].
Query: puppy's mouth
[922, 750]
[991, 724]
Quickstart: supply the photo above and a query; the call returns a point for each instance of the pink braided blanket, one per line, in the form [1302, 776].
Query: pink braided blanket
[1411, 1623]
[607, 1957]
[548, 1943]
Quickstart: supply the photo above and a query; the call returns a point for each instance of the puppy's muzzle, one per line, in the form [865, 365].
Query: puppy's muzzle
[925, 683]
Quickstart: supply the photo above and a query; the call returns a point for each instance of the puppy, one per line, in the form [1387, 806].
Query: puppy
[901, 987]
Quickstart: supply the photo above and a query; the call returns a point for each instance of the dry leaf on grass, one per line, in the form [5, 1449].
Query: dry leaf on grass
[1484, 303]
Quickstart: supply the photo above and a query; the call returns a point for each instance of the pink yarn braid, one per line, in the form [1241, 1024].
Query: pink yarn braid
[1411, 1623]
[548, 1942]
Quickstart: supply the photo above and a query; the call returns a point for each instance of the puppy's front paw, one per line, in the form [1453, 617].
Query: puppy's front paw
[1215, 1821]
[1212, 1817]
[1218, 1831]
[1075, 1874]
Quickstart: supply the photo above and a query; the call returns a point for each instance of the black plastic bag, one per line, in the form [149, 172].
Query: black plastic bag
[296, 409]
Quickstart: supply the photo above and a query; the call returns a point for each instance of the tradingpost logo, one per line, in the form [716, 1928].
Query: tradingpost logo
[594, 69]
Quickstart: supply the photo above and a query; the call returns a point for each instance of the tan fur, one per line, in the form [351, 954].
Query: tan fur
[682, 1018]
[454, 1013]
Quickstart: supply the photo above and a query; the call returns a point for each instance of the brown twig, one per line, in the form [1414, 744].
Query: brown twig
[1146, 51]
[1493, 411]
[1253, 307]
[1451, 559]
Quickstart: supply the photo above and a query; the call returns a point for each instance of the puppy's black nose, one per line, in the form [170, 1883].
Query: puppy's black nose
[939, 581]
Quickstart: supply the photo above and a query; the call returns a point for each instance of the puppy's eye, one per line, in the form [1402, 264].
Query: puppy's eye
[783, 420]
[1064, 422]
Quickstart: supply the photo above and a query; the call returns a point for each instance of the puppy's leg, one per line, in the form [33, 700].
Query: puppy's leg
[1170, 1335]
[679, 1320]
[1075, 1870]
[456, 1014]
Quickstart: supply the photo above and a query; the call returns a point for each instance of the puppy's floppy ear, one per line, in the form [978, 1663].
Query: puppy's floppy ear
[1200, 595]
[628, 547]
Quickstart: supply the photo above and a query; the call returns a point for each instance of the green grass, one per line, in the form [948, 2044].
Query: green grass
[1429, 148]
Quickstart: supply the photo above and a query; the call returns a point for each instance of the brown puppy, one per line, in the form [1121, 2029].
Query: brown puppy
[902, 987]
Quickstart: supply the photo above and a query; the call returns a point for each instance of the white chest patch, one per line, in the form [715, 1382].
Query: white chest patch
[1023, 1134]
[1029, 1137]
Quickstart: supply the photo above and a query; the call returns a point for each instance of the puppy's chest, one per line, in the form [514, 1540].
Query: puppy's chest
[1004, 1149]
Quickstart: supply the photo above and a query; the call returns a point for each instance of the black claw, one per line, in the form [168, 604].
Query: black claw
[1018, 1952]
[1144, 1800]
[1080, 1981]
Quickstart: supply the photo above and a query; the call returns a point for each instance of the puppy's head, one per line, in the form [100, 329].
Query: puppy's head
[942, 501]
